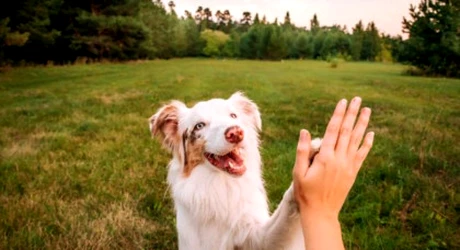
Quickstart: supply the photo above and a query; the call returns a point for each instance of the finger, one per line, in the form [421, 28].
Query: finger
[359, 130]
[347, 126]
[332, 130]
[364, 150]
[302, 161]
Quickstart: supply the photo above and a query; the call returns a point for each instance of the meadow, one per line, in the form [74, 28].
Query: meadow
[79, 169]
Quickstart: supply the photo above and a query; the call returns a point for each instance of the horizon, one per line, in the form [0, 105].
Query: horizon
[386, 14]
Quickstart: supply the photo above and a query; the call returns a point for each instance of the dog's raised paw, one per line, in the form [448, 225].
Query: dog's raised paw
[315, 146]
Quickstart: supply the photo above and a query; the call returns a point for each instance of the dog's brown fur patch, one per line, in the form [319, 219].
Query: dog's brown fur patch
[194, 149]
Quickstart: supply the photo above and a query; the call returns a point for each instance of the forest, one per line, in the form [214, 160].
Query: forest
[66, 31]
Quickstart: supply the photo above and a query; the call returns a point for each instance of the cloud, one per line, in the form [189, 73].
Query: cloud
[387, 14]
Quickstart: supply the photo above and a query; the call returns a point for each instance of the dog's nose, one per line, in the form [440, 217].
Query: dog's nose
[234, 134]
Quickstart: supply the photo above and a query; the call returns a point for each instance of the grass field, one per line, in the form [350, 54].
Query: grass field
[78, 168]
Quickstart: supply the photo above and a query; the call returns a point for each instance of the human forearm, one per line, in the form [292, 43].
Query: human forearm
[321, 231]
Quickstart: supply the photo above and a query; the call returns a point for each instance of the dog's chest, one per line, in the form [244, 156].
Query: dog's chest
[220, 198]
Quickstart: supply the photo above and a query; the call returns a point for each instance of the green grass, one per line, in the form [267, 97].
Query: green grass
[78, 167]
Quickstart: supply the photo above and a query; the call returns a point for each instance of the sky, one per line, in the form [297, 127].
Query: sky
[387, 14]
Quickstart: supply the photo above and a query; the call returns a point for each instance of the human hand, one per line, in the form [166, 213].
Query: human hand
[321, 189]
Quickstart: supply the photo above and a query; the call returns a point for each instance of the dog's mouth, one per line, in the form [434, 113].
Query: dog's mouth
[231, 163]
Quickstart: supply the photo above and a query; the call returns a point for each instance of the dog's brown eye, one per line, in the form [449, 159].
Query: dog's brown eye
[233, 115]
[199, 126]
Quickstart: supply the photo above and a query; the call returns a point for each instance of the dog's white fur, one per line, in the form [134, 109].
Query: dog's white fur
[217, 210]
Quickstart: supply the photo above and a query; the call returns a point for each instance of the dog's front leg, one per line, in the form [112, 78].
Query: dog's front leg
[281, 230]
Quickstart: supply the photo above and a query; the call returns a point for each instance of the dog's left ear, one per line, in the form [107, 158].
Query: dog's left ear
[248, 108]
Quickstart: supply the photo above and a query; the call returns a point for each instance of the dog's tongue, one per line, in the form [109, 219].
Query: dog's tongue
[234, 164]
[231, 163]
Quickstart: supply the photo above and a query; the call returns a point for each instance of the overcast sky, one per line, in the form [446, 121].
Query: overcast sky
[387, 14]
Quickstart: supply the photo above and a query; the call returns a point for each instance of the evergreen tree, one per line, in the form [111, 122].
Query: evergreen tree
[290, 38]
[434, 37]
[287, 21]
[232, 47]
[276, 49]
[318, 44]
[256, 19]
[32, 17]
[9, 39]
[192, 34]
[264, 20]
[371, 43]
[357, 41]
[304, 46]
[314, 24]
[159, 23]
[249, 43]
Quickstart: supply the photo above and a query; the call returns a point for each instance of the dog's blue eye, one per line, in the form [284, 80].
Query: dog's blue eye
[199, 126]
[233, 115]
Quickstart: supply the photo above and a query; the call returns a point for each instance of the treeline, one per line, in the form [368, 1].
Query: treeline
[62, 31]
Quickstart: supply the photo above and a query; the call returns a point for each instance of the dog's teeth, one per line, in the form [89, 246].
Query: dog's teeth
[231, 164]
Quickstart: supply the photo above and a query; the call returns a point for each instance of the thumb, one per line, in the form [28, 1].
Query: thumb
[302, 161]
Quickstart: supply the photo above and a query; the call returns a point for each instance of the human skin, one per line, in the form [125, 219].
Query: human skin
[321, 188]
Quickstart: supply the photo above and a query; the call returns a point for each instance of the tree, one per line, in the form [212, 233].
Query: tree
[194, 42]
[287, 21]
[434, 37]
[206, 19]
[357, 41]
[318, 44]
[250, 43]
[32, 17]
[232, 46]
[314, 24]
[276, 48]
[304, 46]
[215, 42]
[188, 15]
[256, 19]
[9, 39]
[247, 18]
[245, 22]
[199, 15]
[160, 25]
[371, 43]
[172, 5]
[264, 20]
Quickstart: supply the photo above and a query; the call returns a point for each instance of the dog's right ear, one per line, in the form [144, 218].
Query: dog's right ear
[165, 124]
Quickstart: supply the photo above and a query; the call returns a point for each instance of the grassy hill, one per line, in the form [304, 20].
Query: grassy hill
[78, 168]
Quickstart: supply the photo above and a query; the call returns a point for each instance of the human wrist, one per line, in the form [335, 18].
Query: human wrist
[321, 230]
[318, 214]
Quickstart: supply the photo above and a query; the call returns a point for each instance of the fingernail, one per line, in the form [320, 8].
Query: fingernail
[371, 135]
[303, 134]
[343, 102]
[366, 110]
[357, 99]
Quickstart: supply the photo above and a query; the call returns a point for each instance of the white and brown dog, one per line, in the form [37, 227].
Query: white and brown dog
[215, 178]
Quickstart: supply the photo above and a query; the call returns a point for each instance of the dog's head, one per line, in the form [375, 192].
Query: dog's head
[214, 134]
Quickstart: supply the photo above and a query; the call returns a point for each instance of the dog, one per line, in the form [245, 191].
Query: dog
[215, 178]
